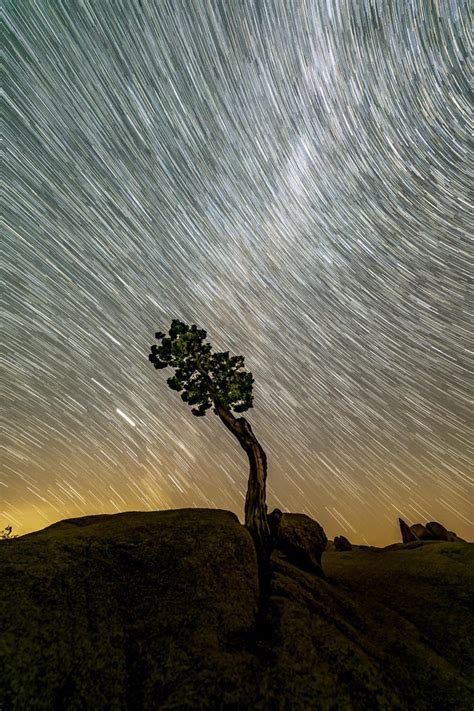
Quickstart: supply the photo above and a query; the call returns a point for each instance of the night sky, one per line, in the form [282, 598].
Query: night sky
[290, 175]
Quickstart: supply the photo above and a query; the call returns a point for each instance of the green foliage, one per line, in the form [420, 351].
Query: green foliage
[203, 378]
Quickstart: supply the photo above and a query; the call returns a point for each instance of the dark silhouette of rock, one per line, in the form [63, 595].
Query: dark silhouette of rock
[157, 610]
[274, 520]
[302, 541]
[433, 531]
[454, 538]
[341, 543]
[437, 531]
[407, 535]
[421, 532]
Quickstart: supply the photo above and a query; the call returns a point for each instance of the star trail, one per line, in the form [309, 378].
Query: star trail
[290, 175]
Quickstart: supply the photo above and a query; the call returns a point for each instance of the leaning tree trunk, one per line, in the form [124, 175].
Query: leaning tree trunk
[255, 502]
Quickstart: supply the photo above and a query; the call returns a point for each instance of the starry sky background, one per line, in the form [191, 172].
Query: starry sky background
[292, 176]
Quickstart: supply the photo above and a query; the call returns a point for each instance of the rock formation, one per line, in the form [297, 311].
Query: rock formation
[453, 538]
[433, 531]
[300, 539]
[420, 532]
[407, 535]
[157, 610]
[437, 531]
[341, 543]
[274, 520]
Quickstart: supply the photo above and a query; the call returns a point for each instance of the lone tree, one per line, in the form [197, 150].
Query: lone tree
[216, 380]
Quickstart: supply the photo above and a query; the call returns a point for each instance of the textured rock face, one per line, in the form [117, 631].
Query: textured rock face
[341, 543]
[407, 534]
[115, 611]
[420, 532]
[301, 540]
[156, 611]
[437, 531]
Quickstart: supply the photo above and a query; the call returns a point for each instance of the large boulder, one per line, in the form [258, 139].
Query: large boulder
[407, 534]
[301, 540]
[438, 532]
[128, 611]
[433, 531]
[454, 538]
[421, 532]
[341, 543]
[157, 610]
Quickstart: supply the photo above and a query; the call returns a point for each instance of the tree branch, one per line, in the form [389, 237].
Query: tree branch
[234, 424]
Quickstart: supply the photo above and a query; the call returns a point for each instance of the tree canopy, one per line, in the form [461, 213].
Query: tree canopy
[203, 378]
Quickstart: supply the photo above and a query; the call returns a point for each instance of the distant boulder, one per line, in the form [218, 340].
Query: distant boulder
[341, 543]
[433, 531]
[436, 531]
[453, 538]
[407, 534]
[300, 539]
[421, 532]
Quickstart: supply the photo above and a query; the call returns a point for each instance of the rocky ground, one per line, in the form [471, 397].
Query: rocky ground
[157, 611]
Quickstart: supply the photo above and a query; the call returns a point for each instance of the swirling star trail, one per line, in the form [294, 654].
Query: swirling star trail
[292, 176]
